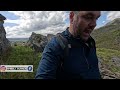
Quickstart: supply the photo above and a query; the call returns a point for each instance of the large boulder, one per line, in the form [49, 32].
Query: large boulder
[38, 41]
[4, 42]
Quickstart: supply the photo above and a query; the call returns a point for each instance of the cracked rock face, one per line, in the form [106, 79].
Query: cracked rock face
[4, 42]
[38, 41]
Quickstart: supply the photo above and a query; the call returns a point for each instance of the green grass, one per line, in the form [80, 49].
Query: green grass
[106, 55]
[107, 37]
[20, 55]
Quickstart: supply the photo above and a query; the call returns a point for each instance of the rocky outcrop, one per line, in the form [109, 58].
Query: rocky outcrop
[49, 36]
[105, 71]
[4, 42]
[38, 41]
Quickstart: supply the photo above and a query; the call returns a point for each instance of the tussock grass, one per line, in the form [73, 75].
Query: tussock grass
[20, 55]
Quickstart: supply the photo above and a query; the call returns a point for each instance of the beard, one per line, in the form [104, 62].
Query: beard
[83, 34]
[77, 31]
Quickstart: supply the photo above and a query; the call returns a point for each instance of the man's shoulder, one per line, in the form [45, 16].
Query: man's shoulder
[52, 41]
[63, 34]
[59, 38]
[52, 46]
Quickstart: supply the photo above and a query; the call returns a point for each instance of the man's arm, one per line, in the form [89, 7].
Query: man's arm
[49, 61]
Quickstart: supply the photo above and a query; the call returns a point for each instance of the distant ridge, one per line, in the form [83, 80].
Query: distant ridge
[18, 39]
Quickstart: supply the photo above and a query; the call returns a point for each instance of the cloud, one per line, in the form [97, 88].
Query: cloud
[103, 21]
[12, 21]
[112, 15]
[43, 22]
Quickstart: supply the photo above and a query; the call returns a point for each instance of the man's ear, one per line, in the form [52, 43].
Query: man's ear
[71, 16]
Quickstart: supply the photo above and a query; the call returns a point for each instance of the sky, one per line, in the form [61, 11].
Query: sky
[21, 24]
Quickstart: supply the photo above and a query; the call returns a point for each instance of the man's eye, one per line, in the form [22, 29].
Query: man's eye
[88, 17]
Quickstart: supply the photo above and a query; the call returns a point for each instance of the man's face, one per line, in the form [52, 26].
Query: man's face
[84, 23]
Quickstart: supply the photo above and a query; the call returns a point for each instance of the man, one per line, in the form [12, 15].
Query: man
[82, 61]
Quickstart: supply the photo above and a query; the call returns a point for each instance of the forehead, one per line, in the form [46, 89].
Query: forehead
[95, 13]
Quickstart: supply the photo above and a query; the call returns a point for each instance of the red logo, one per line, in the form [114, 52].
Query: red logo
[2, 68]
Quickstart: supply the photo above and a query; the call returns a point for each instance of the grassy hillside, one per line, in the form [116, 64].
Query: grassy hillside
[108, 36]
[110, 59]
[20, 55]
[110, 39]
[108, 47]
[109, 63]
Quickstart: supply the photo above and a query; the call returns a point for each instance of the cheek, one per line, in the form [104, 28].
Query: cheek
[81, 27]
[83, 24]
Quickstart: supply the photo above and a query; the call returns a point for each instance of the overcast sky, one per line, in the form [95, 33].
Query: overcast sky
[20, 24]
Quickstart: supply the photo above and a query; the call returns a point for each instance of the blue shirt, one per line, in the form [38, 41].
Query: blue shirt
[81, 63]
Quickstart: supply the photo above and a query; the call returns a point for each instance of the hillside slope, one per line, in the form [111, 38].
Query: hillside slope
[108, 49]
[108, 36]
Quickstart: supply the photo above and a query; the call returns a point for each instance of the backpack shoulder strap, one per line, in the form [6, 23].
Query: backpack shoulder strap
[63, 43]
